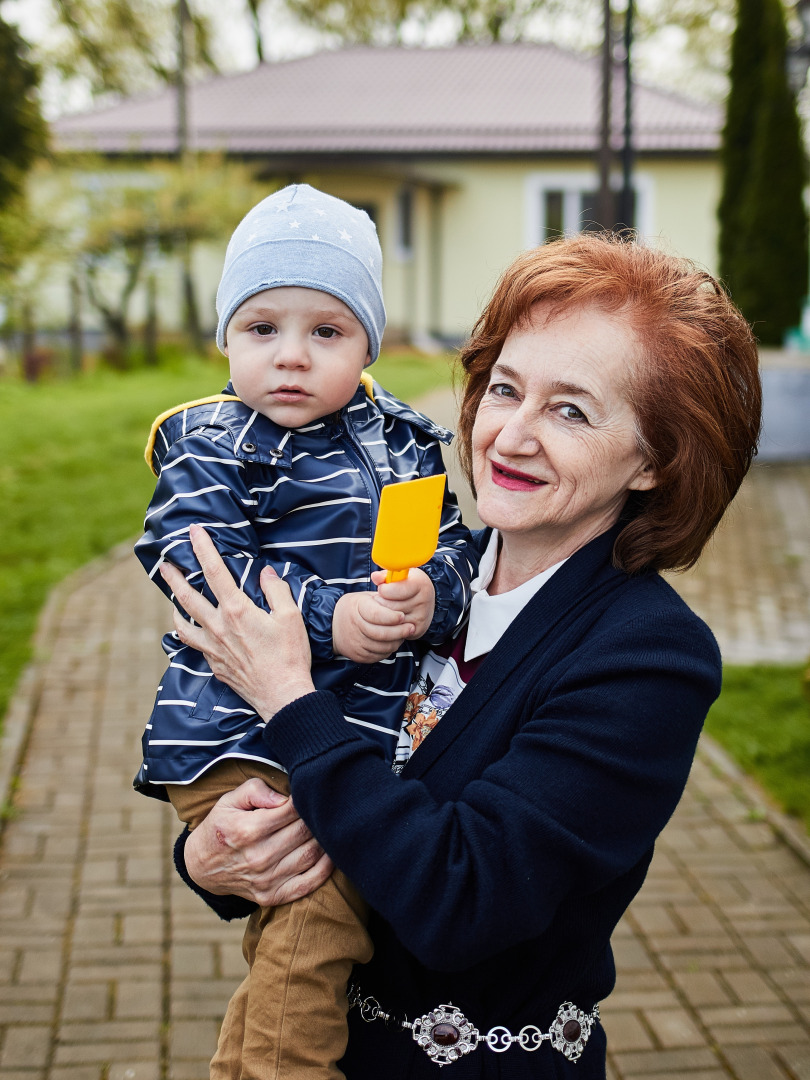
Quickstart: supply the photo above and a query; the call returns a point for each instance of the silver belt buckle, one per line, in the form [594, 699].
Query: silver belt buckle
[445, 1034]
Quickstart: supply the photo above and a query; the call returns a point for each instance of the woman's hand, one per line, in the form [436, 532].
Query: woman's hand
[264, 657]
[253, 844]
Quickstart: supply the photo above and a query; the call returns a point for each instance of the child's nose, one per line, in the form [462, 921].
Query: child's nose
[292, 353]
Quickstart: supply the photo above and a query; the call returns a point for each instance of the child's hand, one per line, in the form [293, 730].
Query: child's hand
[366, 630]
[415, 597]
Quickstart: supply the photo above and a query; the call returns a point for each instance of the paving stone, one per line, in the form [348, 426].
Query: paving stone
[139, 999]
[26, 1047]
[78, 1072]
[82, 1002]
[702, 987]
[666, 1061]
[625, 1031]
[194, 1038]
[135, 1070]
[797, 1059]
[673, 1028]
[754, 1063]
[92, 1052]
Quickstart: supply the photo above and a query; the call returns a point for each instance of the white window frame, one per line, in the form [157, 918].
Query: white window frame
[573, 184]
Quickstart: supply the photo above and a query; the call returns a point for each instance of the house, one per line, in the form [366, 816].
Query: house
[463, 155]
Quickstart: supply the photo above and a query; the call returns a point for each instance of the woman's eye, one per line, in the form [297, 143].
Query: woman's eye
[571, 412]
[501, 390]
[263, 329]
[326, 331]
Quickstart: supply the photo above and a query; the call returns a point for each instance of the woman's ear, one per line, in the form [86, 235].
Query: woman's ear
[645, 479]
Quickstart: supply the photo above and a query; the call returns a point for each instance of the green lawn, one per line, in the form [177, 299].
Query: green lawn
[73, 481]
[762, 718]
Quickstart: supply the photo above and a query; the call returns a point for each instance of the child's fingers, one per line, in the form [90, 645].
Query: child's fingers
[378, 613]
[382, 633]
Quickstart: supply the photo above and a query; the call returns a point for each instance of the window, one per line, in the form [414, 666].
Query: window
[405, 223]
[559, 204]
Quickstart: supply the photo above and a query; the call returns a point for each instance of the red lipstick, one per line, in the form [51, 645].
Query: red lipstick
[513, 479]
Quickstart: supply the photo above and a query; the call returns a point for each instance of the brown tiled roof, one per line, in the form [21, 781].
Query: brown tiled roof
[466, 99]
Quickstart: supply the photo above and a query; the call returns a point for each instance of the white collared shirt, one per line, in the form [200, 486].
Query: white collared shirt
[491, 615]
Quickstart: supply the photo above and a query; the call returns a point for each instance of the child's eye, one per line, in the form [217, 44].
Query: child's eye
[326, 331]
[263, 329]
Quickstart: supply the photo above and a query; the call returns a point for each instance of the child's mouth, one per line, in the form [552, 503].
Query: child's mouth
[289, 393]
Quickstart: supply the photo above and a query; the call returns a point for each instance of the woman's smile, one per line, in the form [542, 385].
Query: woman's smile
[513, 479]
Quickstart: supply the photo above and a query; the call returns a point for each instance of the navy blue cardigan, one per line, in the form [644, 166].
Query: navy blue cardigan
[500, 860]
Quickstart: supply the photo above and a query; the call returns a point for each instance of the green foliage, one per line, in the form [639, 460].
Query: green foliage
[762, 718]
[763, 220]
[128, 217]
[23, 134]
[121, 46]
[73, 481]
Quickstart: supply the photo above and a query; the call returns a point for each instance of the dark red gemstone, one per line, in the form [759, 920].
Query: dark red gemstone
[445, 1035]
[572, 1029]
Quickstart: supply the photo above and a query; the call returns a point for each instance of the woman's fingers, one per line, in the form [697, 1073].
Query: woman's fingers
[214, 569]
[302, 884]
[193, 603]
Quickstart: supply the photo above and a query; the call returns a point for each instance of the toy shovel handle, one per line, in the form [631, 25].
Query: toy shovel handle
[396, 575]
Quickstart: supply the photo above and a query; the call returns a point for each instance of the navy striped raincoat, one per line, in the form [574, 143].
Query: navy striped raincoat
[305, 501]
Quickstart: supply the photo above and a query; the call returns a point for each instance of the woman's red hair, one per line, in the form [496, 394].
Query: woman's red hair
[694, 382]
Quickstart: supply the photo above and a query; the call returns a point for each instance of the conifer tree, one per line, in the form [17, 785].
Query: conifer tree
[763, 221]
[22, 129]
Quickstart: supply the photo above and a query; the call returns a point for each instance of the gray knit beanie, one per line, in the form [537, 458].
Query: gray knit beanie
[300, 236]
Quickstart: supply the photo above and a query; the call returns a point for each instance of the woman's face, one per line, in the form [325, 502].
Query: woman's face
[554, 447]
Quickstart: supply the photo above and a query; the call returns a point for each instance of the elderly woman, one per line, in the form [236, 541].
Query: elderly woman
[611, 410]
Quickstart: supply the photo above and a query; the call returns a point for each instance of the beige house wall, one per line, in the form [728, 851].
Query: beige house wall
[470, 219]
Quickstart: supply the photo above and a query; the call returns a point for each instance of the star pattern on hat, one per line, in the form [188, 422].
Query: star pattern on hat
[345, 236]
[315, 236]
[295, 224]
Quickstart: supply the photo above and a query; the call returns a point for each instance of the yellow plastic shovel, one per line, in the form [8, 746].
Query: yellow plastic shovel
[408, 525]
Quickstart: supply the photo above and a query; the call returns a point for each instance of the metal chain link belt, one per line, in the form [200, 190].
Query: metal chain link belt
[446, 1035]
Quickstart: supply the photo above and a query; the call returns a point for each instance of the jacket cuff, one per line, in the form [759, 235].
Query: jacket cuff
[227, 907]
[440, 625]
[318, 613]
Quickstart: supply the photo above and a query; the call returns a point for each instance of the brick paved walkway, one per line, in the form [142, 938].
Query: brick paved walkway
[111, 970]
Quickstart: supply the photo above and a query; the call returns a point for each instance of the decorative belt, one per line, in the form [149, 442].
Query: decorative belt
[446, 1035]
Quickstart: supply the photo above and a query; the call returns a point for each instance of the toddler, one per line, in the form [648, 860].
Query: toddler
[285, 467]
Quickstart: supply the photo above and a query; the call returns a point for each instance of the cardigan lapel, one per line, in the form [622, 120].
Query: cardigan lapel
[578, 586]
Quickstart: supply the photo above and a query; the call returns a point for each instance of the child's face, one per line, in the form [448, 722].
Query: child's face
[296, 354]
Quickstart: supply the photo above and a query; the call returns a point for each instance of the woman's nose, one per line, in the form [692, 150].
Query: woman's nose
[518, 435]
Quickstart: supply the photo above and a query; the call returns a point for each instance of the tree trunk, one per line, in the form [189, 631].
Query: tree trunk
[150, 329]
[30, 358]
[192, 313]
[75, 326]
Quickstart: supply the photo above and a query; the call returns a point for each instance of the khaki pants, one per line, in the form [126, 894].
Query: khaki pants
[287, 1020]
